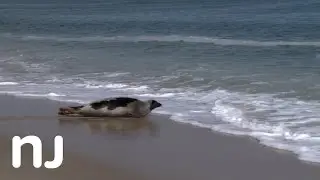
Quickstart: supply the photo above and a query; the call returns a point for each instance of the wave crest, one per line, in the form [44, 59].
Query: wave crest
[168, 38]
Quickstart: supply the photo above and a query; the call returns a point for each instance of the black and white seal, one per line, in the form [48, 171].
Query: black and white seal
[112, 107]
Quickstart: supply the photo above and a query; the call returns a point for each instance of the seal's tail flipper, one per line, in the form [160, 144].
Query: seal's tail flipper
[67, 111]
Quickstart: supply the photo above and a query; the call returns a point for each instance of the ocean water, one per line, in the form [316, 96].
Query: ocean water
[240, 67]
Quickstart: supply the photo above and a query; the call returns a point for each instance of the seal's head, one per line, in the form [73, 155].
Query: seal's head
[154, 104]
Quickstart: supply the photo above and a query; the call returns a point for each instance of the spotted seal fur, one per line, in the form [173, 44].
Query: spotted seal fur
[112, 107]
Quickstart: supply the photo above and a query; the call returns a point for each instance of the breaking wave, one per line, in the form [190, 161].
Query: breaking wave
[167, 38]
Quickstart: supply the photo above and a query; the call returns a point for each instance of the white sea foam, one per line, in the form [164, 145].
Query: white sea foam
[117, 74]
[8, 83]
[114, 86]
[158, 95]
[54, 79]
[41, 95]
[280, 123]
[20, 93]
[279, 116]
[259, 83]
[108, 86]
[55, 94]
[141, 88]
[172, 38]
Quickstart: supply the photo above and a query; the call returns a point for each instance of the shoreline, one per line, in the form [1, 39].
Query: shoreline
[64, 103]
[155, 147]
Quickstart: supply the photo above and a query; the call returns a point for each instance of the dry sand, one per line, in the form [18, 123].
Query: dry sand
[153, 148]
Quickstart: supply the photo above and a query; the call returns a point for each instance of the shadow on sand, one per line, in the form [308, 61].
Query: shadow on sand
[120, 126]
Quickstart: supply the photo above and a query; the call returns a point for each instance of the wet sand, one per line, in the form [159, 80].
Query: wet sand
[73, 167]
[150, 148]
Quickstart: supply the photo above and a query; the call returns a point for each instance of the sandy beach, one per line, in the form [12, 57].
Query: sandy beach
[74, 166]
[150, 148]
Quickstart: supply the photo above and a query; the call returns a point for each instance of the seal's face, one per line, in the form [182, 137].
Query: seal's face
[154, 104]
